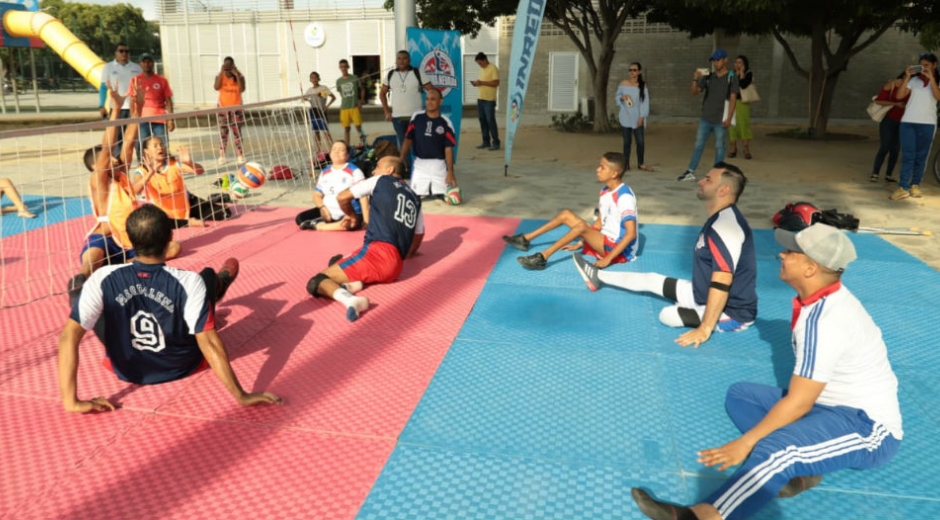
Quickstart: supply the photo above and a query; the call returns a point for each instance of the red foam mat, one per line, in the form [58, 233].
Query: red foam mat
[186, 449]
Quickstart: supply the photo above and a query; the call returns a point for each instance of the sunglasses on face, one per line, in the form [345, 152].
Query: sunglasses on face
[123, 51]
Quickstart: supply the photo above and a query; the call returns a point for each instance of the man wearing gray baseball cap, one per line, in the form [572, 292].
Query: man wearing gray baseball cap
[840, 410]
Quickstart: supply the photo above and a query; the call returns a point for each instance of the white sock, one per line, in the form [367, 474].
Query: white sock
[352, 287]
[639, 282]
[343, 296]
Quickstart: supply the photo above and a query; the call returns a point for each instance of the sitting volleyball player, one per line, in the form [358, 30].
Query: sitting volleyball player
[160, 179]
[839, 411]
[112, 199]
[613, 241]
[157, 323]
[432, 136]
[394, 233]
[722, 294]
[327, 215]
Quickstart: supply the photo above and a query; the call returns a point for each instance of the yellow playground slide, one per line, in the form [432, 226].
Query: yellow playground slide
[27, 24]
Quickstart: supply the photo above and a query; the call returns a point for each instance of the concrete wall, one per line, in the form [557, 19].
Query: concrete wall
[669, 60]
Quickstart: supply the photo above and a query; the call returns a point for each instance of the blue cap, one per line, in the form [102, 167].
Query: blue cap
[718, 55]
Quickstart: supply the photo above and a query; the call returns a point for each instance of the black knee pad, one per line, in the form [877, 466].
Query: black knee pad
[314, 284]
[669, 289]
[689, 317]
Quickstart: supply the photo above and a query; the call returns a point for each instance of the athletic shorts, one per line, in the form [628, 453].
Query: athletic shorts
[429, 177]
[376, 262]
[685, 298]
[608, 247]
[113, 253]
[318, 125]
[348, 115]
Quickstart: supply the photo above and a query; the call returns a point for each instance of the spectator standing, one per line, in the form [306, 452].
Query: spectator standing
[918, 124]
[320, 99]
[741, 130]
[634, 102]
[889, 130]
[404, 84]
[158, 100]
[230, 83]
[718, 86]
[117, 75]
[487, 83]
[352, 95]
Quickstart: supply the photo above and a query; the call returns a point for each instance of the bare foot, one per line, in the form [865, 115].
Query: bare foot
[195, 222]
[647, 168]
[25, 214]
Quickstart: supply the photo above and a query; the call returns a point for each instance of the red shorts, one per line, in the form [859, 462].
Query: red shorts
[376, 262]
[608, 247]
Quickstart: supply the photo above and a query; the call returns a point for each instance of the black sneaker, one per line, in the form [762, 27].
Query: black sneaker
[889, 178]
[874, 177]
[227, 274]
[333, 259]
[687, 176]
[655, 509]
[798, 485]
[587, 271]
[519, 241]
[483, 146]
[534, 262]
[75, 288]
[494, 147]
[310, 224]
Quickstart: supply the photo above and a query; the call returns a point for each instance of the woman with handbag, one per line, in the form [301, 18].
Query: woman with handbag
[918, 124]
[741, 130]
[634, 102]
[889, 128]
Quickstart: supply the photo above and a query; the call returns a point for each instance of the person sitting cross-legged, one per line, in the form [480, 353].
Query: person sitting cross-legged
[612, 239]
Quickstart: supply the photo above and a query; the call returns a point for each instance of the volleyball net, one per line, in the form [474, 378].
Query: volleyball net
[46, 166]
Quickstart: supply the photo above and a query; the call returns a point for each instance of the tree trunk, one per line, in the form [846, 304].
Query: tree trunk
[824, 76]
[600, 79]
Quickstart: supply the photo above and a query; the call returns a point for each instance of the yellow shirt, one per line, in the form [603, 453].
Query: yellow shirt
[488, 73]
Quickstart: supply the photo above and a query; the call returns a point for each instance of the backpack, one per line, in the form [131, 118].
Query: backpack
[796, 216]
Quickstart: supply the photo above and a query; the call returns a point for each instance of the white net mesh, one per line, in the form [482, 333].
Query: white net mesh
[38, 255]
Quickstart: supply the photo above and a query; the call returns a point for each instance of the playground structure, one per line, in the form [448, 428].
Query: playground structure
[31, 29]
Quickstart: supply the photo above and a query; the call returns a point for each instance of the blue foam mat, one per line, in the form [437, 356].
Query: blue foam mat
[507, 428]
[48, 210]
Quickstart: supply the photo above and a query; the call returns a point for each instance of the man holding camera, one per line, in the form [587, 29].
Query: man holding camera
[719, 87]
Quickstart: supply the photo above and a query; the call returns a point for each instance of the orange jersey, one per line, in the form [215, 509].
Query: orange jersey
[121, 202]
[230, 94]
[167, 191]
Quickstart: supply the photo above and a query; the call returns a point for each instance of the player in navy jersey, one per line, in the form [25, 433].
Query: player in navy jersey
[394, 233]
[157, 323]
[722, 294]
[612, 238]
[432, 136]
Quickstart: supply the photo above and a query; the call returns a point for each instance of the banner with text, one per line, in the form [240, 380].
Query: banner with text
[436, 54]
[524, 40]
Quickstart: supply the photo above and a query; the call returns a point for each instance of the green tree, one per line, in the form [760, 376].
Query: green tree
[592, 25]
[102, 28]
[837, 29]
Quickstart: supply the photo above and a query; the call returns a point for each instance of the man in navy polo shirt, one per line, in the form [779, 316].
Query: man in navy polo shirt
[157, 322]
[433, 138]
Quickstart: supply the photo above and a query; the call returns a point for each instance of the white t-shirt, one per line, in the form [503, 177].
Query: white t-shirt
[405, 90]
[617, 206]
[922, 106]
[317, 97]
[115, 73]
[333, 181]
[836, 342]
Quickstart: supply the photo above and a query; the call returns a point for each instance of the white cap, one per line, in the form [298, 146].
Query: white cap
[825, 245]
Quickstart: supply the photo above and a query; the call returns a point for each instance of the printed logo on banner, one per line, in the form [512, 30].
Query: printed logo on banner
[515, 107]
[439, 69]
